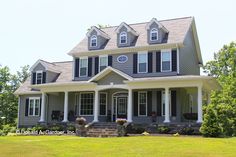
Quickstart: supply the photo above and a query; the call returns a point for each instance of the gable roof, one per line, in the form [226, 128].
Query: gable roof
[129, 29]
[177, 28]
[99, 32]
[154, 20]
[106, 71]
[47, 65]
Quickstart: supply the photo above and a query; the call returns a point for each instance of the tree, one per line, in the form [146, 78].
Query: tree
[223, 102]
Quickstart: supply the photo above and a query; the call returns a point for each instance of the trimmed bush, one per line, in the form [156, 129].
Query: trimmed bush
[163, 129]
[187, 131]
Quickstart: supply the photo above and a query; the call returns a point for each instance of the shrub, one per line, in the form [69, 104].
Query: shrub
[163, 129]
[80, 120]
[8, 129]
[121, 121]
[40, 127]
[70, 128]
[187, 131]
[56, 128]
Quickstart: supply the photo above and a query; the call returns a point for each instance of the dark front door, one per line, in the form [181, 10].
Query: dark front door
[121, 107]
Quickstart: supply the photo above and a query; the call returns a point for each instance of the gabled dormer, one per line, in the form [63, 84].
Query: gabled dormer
[97, 39]
[43, 72]
[156, 32]
[126, 35]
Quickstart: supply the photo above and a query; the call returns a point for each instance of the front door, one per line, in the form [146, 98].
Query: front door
[121, 107]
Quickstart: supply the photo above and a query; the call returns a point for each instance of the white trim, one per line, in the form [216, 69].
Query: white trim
[140, 53]
[116, 103]
[34, 100]
[80, 103]
[129, 29]
[123, 34]
[158, 23]
[153, 30]
[139, 104]
[99, 32]
[94, 37]
[165, 51]
[100, 104]
[73, 68]
[36, 78]
[163, 102]
[86, 66]
[102, 56]
[44, 64]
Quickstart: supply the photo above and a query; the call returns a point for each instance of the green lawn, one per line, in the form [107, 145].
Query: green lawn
[69, 146]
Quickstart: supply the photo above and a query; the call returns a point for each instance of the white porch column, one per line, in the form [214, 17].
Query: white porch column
[167, 106]
[42, 117]
[129, 106]
[65, 107]
[199, 107]
[96, 102]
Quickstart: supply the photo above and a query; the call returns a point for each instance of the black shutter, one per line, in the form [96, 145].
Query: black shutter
[110, 61]
[174, 60]
[44, 77]
[40, 105]
[158, 61]
[26, 106]
[149, 102]
[90, 63]
[34, 78]
[76, 67]
[96, 65]
[173, 103]
[135, 103]
[149, 62]
[135, 63]
[158, 103]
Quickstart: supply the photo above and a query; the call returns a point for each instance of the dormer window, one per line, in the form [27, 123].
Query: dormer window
[123, 38]
[39, 77]
[154, 34]
[93, 41]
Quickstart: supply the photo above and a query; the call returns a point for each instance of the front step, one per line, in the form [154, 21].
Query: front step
[102, 129]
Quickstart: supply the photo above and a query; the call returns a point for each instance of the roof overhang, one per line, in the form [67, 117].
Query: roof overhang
[154, 20]
[45, 66]
[99, 32]
[107, 71]
[123, 50]
[129, 29]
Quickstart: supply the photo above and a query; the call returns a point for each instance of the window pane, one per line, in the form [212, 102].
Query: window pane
[83, 71]
[31, 107]
[83, 67]
[166, 65]
[142, 109]
[142, 58]
[37, 102]
[142, 103]
[142, 67]
[39, 78]
[86, 104]
[154, 36]
[165, 56]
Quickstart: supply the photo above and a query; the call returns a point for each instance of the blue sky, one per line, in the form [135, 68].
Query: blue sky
[49, 29]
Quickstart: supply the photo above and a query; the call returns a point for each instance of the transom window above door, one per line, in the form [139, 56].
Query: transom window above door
[142, 62]
[103, 62]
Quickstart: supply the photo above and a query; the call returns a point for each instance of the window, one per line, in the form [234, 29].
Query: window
[154, 34]
[93, 41]
[83, 70]
[86, 103]
[103, 104]
[123, 38]
[142, 103]
[163, 102]
[166, 60]
[103, 62]
[39, 77]
[34, 106]
[142, 62]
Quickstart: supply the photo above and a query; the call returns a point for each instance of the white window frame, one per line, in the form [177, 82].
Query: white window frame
[141, 53]
[102, 56]
[94, 37]
[153, 30]
[141, 92]
[100, 104]
[34, 100]
[82, 58]
[39, 72]
[163, 103]
[166, 51]
[80, 103]
[125, 35]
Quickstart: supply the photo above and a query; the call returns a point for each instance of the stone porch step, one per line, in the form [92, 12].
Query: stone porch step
[102, 129]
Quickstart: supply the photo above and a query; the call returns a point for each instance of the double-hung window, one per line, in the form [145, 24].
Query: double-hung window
[86, 103]
[103, 62]
[154, 34]
[166, 60]
[142, 103]
[39, 77]
[83, 68]
[34, 106]
[142, 62]
[123, 38]
[93, 41]
[103, 104]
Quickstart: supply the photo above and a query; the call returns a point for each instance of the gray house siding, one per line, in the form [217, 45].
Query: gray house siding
[111, 78]
[188, 57]
[130, 38]
[39, 67]
[100, 41]
[161, 34]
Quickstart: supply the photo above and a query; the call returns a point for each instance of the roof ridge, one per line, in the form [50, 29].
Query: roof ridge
[46, 61]
[149, 21]
[62, 62]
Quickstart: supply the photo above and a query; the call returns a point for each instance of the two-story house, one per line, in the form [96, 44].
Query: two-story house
[134, 71]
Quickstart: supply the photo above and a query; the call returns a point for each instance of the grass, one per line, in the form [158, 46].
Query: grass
[70, 146]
